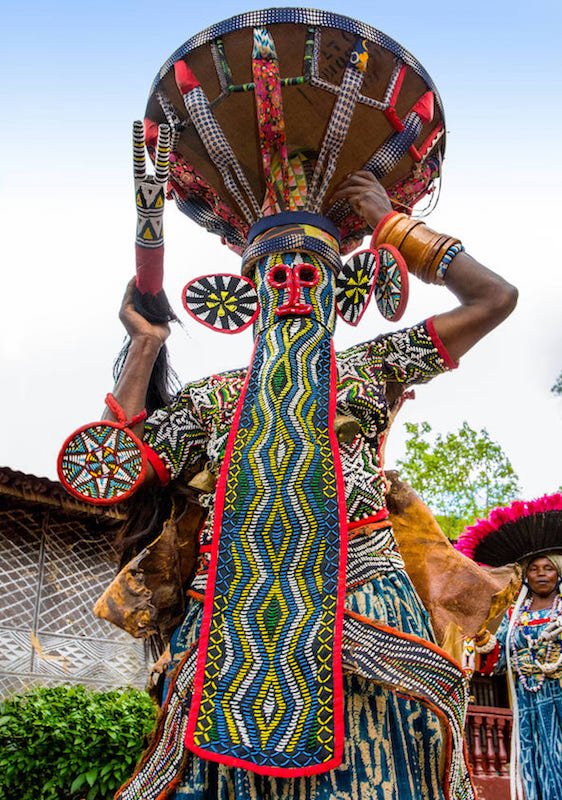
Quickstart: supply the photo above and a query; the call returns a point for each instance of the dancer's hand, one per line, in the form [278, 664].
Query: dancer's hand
[367, 197]
[135, 324]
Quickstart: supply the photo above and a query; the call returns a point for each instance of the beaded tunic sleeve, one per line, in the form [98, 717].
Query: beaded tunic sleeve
[412, 355]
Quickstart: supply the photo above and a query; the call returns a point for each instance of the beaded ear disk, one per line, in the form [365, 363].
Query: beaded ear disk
[513, 532]
[225, 303]
[354, 285]
[392, 283]
[383, 271]
[103, 462]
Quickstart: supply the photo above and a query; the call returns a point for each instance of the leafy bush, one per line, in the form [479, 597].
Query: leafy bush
[70, 743]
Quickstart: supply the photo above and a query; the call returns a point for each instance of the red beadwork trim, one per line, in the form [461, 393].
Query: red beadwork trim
[442, 350]
[380, 516]
[157, 465]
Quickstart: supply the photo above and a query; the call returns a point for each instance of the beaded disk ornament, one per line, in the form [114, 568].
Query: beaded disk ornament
[225, 303]
[103, 462]
[382, 271]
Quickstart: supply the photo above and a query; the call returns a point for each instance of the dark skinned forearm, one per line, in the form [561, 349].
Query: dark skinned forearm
[486, 300]
[132, 384]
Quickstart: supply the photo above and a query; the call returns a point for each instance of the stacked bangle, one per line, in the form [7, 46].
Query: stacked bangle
[427, 254]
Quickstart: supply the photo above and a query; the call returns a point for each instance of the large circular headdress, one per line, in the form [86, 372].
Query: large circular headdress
[513, 532]
[271, 109]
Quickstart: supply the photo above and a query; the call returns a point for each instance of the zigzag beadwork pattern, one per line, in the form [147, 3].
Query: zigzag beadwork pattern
[268, 678]
[414, 667]
[269, 682]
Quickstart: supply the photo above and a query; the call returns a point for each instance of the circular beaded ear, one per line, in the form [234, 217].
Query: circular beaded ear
[225, 303]
[354, 285]
[102, 463]
[391, 285]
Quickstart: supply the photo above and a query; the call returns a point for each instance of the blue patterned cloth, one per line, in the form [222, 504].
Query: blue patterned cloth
[392, 745]
[540, 714]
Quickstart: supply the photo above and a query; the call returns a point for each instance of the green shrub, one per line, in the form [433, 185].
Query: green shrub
[70, 743]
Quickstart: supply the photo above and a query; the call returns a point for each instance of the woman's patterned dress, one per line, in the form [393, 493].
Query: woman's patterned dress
[540, 713]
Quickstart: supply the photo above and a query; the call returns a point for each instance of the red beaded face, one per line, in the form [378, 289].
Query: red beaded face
[291, 277]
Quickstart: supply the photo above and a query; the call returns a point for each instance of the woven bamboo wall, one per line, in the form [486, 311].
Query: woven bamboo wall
[55, 560]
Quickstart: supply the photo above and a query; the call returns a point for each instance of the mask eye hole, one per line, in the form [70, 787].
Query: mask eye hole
[307, 274]
[279, 275]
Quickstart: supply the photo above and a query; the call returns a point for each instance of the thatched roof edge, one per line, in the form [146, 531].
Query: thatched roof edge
[45, 492]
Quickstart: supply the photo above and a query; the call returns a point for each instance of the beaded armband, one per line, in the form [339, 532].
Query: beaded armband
[103, 462]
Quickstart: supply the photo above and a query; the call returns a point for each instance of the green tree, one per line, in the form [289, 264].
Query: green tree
[460, 476]
[557, 388]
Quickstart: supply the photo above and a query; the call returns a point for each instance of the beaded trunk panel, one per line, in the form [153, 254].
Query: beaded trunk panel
[268, 690]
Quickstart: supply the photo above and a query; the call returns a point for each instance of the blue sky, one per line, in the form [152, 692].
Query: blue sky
[75, 75]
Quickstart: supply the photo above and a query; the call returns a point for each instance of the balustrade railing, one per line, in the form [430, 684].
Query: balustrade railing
[488, 735]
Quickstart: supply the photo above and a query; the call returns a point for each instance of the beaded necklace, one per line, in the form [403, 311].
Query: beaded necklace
[545, 667]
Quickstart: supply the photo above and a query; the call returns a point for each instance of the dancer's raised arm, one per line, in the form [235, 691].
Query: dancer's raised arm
[486, 298]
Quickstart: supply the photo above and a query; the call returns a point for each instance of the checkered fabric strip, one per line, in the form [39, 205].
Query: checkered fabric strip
[220, 152]
[299, 16]
[412, 666]
[172, 118]
[161, 765]
[391, 152]
[370, 554]
[199, 212]
[269, 674]
[334, 137]
[291, 243]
